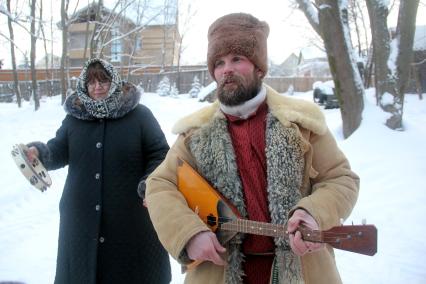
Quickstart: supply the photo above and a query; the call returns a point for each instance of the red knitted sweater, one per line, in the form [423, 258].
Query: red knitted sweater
[248, 139]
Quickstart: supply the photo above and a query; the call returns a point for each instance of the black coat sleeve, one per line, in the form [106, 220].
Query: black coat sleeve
[54, 154]
[154, 147]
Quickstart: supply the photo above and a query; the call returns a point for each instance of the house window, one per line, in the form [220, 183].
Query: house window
[116, 48]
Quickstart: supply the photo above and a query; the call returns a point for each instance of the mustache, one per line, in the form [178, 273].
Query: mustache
[229, 79]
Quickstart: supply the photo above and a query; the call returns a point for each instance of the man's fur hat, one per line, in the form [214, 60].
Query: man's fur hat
[239, 34]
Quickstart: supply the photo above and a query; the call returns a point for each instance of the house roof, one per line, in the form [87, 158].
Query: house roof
[157, 13]
[81, 16]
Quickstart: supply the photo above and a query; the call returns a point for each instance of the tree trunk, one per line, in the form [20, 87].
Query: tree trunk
[333, 28]
[32, 57]
[46, 57]
[64, 25]
[405, 29]
[347, 80]
[16, 88]
[392, 67]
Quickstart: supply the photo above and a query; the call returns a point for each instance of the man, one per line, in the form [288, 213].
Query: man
[271, 156]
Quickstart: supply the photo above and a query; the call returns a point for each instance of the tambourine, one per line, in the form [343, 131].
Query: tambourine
[35, 172]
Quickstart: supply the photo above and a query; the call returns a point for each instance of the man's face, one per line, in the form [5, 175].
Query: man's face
[237, 78]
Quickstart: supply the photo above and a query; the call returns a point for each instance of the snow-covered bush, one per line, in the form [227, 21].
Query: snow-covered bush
[163, 88]
[174, 92]
[195, 87]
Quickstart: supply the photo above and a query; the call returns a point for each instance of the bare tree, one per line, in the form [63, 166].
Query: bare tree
[64, 27]
[16, 88]
[329, 18]
[46, 57]
[185, 19]
[32, 57]
[393, 56]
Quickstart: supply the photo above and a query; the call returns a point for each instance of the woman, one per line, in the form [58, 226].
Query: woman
[110, 143]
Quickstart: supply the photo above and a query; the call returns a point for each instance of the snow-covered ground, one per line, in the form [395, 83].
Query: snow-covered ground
[391, 165]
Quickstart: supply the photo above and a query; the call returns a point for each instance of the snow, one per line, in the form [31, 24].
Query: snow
[207, 90]
[393, 56]
[392, 196]
[325, 87]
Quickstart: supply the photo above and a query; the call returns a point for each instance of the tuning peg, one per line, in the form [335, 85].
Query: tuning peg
[364, 221]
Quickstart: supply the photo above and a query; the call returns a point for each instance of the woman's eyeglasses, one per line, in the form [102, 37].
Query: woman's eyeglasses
[102, 84]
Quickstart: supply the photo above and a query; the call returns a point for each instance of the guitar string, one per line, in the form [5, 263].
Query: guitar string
[273, 228]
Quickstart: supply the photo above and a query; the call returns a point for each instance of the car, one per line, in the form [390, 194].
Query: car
[6, 98]
[323, 94]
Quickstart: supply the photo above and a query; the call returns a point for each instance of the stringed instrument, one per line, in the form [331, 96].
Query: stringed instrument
[223, 218]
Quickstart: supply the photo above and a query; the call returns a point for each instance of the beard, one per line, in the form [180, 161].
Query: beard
[242, 90]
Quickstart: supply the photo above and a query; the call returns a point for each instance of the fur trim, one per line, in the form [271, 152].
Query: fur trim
[127, 100]
[288, 110]
[211, 146]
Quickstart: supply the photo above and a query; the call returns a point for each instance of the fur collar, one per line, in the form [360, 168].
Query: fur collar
[286, 109]
[126, 100]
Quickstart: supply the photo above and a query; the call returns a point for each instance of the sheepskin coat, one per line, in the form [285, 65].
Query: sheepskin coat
[105, 233]
[327, 187]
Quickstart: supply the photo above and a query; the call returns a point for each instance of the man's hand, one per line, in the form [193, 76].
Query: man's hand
[298, 245]
[205, 246]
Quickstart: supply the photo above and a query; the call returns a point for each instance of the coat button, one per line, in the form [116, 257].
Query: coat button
[97, 176]
[101, 239]
[98, 145]
[97, 207]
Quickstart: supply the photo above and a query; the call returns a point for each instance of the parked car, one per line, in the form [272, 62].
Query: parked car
[323, 94]
[6, 98]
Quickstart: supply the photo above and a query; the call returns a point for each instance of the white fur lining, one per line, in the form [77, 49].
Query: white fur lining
[284, 108]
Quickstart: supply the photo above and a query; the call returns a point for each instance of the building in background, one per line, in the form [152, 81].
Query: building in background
[125, 37]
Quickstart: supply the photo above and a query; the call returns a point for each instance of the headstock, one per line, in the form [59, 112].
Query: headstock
[355, 238]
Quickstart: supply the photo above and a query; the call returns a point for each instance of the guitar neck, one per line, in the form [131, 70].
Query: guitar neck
[359, 239]
[267, 229]
[254, 227]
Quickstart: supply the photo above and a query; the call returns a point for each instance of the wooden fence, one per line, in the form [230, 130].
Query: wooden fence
[148, 78]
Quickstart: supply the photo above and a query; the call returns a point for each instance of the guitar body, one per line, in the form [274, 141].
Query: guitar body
[204, 200]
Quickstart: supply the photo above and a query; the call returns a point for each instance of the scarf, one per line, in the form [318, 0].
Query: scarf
[122, 97]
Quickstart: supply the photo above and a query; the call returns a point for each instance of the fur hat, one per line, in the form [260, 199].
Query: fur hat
[240, 34]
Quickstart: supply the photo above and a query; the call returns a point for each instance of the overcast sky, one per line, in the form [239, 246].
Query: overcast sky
[289, 29]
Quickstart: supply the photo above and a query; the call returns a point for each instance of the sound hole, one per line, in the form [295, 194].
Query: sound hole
[22, 166]
[211, 220]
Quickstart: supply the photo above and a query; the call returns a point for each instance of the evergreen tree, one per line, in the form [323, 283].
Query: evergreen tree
[163, 88]
[195, 88]
[174, 92]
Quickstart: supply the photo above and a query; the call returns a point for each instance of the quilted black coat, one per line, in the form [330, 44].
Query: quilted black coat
[105, 233]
